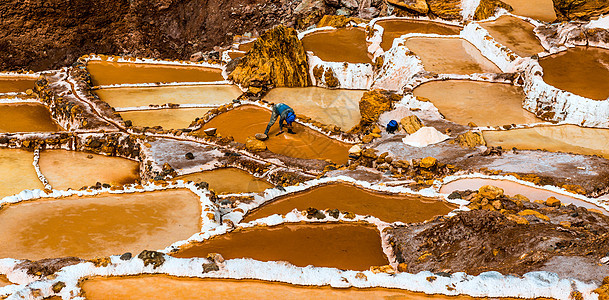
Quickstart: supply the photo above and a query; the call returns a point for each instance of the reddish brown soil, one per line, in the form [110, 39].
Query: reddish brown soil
[48, 34]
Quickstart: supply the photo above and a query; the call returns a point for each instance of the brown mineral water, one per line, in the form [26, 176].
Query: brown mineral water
[483, 103]
[328, 106]
[247, 46]
[12, 84]
[228, 180]
[450, 56]
[344, 246]
[511, 188]
[107, 73]
[583, 71]
[247, 120]
[166, 287]
[516, 34]
[562, 138]
[18, 173]
[394, 28]
[339, 45]
[98, 226]
[178, 118]
[234, 55]
[542, 10]
[346, 197]
[26, 117]
[200, 94]
[72, 169]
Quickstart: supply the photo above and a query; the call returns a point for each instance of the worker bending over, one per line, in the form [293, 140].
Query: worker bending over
[285, 113]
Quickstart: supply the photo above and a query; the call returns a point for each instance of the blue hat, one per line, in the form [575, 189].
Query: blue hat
[291, 117]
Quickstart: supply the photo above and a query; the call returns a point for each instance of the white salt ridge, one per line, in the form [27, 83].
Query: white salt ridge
[166, 106]
[602, 22]
[500, 55]
[41, 177]
[425, 136]
[354, 76]
[488, 284]
[151, 61]
[468, 8]
[398, 68]
[12, 100]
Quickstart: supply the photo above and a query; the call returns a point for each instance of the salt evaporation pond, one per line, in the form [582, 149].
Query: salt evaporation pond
[18, 172]
[337, 245]
[346, 197]
[339, 45]
[450, 56]
[73, 169]
[167, 287]
[394, 28]
[178, 118]
[515, 34]
[108, 73]
[145, 96]
[245, 121]
[483, 103]
[583, 71]
[562, 138]
[511, 188]
[16, 84]
[26, 117]
[247, 46]
[228, 180]
[542, 10]
[98, 226]
[329, 106]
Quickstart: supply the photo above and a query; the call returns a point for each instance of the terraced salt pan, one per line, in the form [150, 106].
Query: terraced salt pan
[108, 73]
[563, 138]
[338, 45]
[346, 197]
[98, 226]
[515, 34]
[343, 246]
[329, 106]
[583, 71]
[165, 287]
[247, 120]
[483, 103]
[513, 188]
[145, 96]
[228, 180]
[18, 172]
[542, 10]
[72, 169]
[450, 56]
[26, 117]
[394, 28]
[14, 84]
[167, 118]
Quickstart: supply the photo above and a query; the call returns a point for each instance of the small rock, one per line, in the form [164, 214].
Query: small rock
[428, 162]
[553, 202]
[189, 155]
[530, 212]
[89, 156]
[518, 219]
[261, 136]
[195, 57]
[454, 195]
[210, 267]
[152, 258]
[335, 213]
[490, 192]
[403, 267]
[126, 256]
[361, 276]
[210, 131]
[216, 257]
[254, 145]
[58, 286]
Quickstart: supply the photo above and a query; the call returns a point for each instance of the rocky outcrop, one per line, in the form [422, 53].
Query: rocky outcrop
[445, 9]
[372, 105]
[338, 21]
[41, 35]
[580, 9]
[470, 139]
[277, 58]
[419, 6]
[474, 241]
[488, 8]
[411, 124]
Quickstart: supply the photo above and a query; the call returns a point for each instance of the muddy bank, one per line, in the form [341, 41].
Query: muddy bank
[41, 35]
[541, 234]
